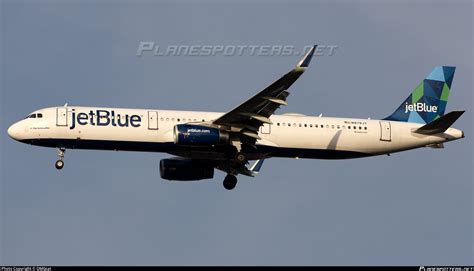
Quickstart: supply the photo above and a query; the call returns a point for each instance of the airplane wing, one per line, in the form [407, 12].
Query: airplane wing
[249, 116]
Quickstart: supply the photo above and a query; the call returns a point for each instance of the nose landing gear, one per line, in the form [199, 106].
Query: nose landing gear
[60, 163]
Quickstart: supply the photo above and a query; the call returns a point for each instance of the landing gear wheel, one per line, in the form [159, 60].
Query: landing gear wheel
[240, 157]
[59, 164]
[229, 182]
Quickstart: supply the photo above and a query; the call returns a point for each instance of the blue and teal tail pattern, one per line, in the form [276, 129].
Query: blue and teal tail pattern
[428, 101]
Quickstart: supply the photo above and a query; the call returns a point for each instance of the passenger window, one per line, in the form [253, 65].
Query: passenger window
[162, 119]
[332, 126]
[289, 124]
[360, 128]
[178, 119]
[365, 128]
[305, 125]
[338, 127]
[348, 127]
[354, 127]
[311, 125]
[299, 124]
[278, 124]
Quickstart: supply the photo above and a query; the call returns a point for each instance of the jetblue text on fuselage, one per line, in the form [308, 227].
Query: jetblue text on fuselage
[104, 118]
[420, 107]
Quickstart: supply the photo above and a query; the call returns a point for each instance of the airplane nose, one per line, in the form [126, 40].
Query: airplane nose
[13, 131]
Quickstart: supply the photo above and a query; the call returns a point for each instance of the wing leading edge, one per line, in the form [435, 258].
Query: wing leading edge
[256, 111]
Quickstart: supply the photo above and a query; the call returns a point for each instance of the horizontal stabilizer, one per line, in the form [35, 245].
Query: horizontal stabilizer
[436, 146]
[439, 125]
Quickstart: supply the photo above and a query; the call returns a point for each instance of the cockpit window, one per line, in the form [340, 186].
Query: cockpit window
[34, 116]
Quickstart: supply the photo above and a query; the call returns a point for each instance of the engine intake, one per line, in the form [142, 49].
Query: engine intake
[185, 170]
[198, 135]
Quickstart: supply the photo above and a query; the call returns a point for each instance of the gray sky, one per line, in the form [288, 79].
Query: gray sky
[112, 208]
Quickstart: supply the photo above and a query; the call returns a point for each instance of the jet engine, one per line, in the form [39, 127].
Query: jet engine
[198, 135]
[185, 169]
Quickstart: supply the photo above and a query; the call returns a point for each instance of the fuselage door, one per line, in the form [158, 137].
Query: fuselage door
[385, 131]
[152, 120]
[265, 128]
[61, 116]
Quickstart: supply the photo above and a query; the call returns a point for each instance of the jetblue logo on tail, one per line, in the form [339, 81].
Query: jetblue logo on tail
[420, 107]
[428, 100]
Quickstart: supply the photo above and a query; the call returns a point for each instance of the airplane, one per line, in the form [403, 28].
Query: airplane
[204, 141]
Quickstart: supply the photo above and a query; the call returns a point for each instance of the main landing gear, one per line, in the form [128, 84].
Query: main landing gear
[240, 157]
[239, 160]
[60, 163]
[230, 181]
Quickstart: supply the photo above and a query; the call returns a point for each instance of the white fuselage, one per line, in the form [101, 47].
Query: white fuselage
[287, 136]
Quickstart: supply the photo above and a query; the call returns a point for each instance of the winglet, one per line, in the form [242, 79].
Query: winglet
[304, 62]
[255, 169]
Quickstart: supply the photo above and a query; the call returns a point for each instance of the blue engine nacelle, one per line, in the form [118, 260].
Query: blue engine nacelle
[178, 169]
[198, 135]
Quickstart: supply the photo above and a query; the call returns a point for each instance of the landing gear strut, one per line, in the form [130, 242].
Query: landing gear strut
[230, 181]
[240, 157]
[60, 163]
